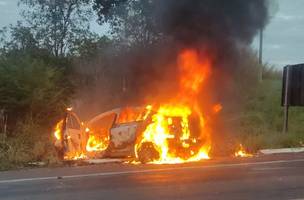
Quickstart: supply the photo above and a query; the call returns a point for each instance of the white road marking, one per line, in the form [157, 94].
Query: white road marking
[146, 171]
[271, 168]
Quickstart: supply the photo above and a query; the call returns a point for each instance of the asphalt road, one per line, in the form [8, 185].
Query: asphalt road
[266, 177]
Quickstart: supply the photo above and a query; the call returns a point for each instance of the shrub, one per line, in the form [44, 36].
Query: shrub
[32, 89]
[30, 143]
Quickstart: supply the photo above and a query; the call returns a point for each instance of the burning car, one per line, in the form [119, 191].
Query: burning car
[175, 131]
[136, 132]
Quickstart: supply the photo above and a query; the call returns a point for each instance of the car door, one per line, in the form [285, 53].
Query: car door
[124, 132]
[123, 135]
[99, 130]
[74, 141]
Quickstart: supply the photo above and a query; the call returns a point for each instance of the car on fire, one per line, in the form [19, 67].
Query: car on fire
[119, 133]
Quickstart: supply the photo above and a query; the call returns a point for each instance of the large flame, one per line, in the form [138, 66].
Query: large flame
[169, 135]
[58, 129]
[95, 144]
[173, 146]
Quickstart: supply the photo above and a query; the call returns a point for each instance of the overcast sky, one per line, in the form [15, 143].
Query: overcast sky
[284, 36]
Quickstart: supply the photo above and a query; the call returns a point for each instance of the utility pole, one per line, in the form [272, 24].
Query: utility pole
[261, 55]
[286, 100]
[261, 47]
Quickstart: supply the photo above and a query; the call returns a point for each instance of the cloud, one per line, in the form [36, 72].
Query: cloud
[3, 3]
[273, 46]
[289, 17]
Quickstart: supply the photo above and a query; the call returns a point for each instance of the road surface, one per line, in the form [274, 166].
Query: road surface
[265, 177]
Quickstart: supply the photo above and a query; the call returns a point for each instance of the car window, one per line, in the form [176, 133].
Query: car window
[128, 115]
[103, 124]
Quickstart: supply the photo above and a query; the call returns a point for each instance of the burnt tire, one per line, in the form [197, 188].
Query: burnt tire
[147, 153]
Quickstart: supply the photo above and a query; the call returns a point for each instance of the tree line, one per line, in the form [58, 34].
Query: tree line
[51, 54]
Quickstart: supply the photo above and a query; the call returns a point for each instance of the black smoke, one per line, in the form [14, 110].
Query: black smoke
[223, 28]
[193, 22]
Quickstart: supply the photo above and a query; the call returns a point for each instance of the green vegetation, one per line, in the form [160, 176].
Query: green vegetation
[36, 78]
[34, 94]
[261, 122]
[47, 60]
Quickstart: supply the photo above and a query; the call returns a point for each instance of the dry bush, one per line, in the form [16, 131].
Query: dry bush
[29, 144]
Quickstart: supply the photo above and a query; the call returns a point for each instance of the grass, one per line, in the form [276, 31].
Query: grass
[29, 144]
[261, 121]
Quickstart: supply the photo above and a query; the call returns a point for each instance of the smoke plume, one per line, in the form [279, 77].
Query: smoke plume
[220, 28]
[194, 22]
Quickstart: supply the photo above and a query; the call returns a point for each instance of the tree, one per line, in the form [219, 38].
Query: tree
[21, 38]
[32, 89]
[57, 24]
[90, 48]
[131, 21]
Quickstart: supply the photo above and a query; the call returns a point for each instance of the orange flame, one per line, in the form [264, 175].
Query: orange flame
[57, 132]
[129, 114]
[217, 108]
[76, 156]
[95, 145]
[241, 152]
[169, 132]
[167, 143]
[193, 72]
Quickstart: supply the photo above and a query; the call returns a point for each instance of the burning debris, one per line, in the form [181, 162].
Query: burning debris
[241, 152]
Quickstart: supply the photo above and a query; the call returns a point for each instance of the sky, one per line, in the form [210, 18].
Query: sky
[283, 36]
